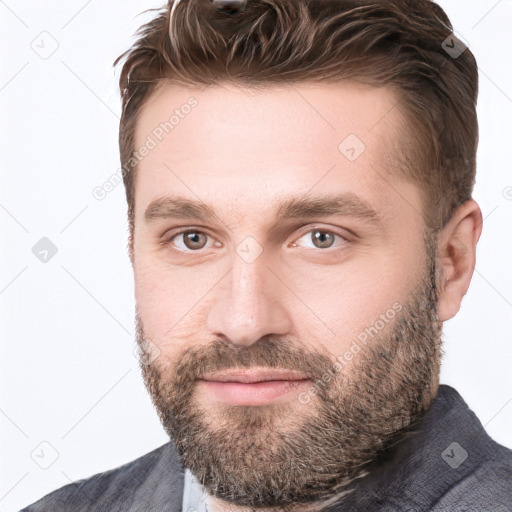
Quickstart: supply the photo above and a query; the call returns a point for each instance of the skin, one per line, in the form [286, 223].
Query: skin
[244, 151]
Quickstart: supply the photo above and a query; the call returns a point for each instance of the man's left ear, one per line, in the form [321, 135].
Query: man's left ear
[457, 256]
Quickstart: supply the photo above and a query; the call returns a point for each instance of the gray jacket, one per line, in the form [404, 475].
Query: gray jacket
[448, 464]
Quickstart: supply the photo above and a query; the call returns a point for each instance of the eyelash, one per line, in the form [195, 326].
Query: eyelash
[168, 241]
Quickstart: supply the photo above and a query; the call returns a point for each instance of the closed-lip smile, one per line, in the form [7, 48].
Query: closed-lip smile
[254, 375]
[252, 386]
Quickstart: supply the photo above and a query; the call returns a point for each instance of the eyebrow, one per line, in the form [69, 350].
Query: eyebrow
[346, 204]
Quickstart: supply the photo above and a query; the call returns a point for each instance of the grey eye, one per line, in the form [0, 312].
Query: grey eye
[322, 239]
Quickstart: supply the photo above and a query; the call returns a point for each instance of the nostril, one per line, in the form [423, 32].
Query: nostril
[230, 6]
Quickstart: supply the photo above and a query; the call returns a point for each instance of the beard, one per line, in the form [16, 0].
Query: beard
[279, 456]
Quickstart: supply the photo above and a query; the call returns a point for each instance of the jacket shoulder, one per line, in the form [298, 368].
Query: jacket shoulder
[487, 482]
[488, 487]
[141, 481]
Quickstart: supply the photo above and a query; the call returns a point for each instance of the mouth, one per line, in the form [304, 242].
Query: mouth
[252, 386]
[254, 375]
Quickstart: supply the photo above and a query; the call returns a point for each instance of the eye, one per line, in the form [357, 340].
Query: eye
[192, 240]
[321, 238]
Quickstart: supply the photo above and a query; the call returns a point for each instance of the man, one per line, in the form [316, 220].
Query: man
[299, 178]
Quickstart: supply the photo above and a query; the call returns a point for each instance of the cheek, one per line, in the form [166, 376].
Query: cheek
[171, 301]
[338, 304]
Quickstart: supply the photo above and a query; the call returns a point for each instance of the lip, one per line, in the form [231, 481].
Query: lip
[252, 387]
[254, 375]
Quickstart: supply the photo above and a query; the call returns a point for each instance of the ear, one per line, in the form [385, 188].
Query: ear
[457, 257]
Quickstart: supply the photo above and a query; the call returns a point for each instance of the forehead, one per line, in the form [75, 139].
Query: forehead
[243, 147]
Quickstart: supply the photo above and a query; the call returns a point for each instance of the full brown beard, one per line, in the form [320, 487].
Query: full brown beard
[278, 456]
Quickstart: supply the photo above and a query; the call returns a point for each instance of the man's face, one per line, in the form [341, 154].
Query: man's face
[334, 307]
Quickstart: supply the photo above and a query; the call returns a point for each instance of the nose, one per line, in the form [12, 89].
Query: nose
[248, 304]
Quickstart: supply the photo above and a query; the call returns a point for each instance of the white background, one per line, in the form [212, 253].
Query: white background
[68, 374]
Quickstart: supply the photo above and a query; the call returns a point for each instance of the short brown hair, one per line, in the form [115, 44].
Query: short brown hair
[391, 43]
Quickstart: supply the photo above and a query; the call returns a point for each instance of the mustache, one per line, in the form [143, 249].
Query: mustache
[268, 352]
